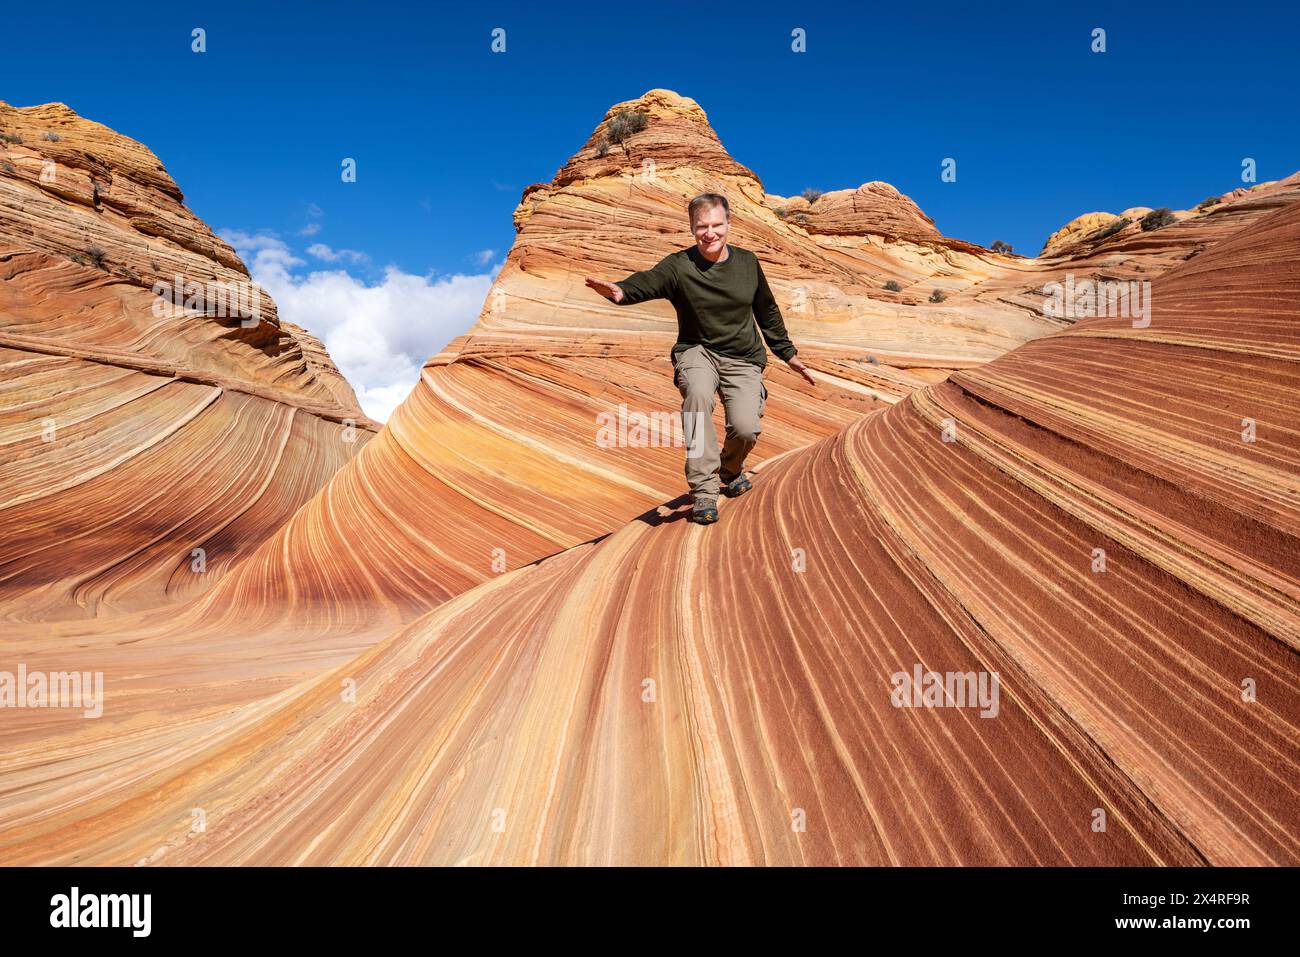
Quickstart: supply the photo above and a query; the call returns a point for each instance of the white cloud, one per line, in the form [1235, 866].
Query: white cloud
[311, 229]
[484, 256]
[321, 251]
[378, 335]
[262, 250]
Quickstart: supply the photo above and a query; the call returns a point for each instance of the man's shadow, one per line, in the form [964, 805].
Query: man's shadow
[668, 512]
[661, 514]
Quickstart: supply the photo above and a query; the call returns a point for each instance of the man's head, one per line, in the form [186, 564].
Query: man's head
[710, 219]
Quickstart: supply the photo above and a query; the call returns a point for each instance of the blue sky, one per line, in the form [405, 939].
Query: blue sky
[447, 134]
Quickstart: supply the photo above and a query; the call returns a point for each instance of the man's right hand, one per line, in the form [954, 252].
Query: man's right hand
[610, 290]
[797, 365]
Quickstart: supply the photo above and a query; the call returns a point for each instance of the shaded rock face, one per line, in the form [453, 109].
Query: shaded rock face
[135, 430]
[488, 638]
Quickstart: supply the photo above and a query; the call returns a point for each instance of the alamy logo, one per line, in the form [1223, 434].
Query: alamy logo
[54, 689]
[638, 429]
[241, 300]
[1089, 298]
[635, 429]
[947, 689]
[102, 910]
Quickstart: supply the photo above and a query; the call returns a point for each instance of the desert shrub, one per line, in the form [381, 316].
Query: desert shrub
[11, 138]
[812, 195]
[97, 256]
[602, 146]
[938, 296]
[801, 217]
[52, 137]
[625, 123]
[893, 286]
[783, 212]
[1000, 247]
[1110, 229]
[1157, 218]
[7, 166]
[1207, 202]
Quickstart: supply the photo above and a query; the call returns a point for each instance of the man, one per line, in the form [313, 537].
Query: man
[718, 290]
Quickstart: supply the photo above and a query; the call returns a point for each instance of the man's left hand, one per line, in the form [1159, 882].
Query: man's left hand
[797, 365]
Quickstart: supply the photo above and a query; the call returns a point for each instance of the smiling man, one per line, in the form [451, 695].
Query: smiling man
[718, 290]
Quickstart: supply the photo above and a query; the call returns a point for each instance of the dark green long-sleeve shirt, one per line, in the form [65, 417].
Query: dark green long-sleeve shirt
[716, 302]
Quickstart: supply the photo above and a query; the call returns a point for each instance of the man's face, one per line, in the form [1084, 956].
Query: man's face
[711, 230]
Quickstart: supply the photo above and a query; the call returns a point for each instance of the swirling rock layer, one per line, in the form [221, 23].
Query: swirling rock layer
[681, 695]
[143, 450]
[488, 638]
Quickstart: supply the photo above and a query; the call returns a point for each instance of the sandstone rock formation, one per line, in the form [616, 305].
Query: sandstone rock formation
[132, 435]
[1122, 688]
[1076, 229]
[488, 639]
[871, 208]
[521, 473]
[1083, 232]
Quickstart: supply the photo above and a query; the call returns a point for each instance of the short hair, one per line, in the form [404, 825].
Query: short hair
[708, 201]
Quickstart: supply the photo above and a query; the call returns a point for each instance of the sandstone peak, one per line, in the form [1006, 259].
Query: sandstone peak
[56, 131]
[190, 419]
[52, 109]
[658, 150]
[664, 104]
[652, 134]
[92, 212]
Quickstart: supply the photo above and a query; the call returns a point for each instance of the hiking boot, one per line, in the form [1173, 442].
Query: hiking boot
[737, 486]
[705, 512]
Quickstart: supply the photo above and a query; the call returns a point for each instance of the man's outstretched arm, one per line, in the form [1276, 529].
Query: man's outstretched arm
[657, 283]
[770, 323]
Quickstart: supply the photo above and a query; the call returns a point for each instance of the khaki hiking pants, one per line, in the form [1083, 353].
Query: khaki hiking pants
[699, 373]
